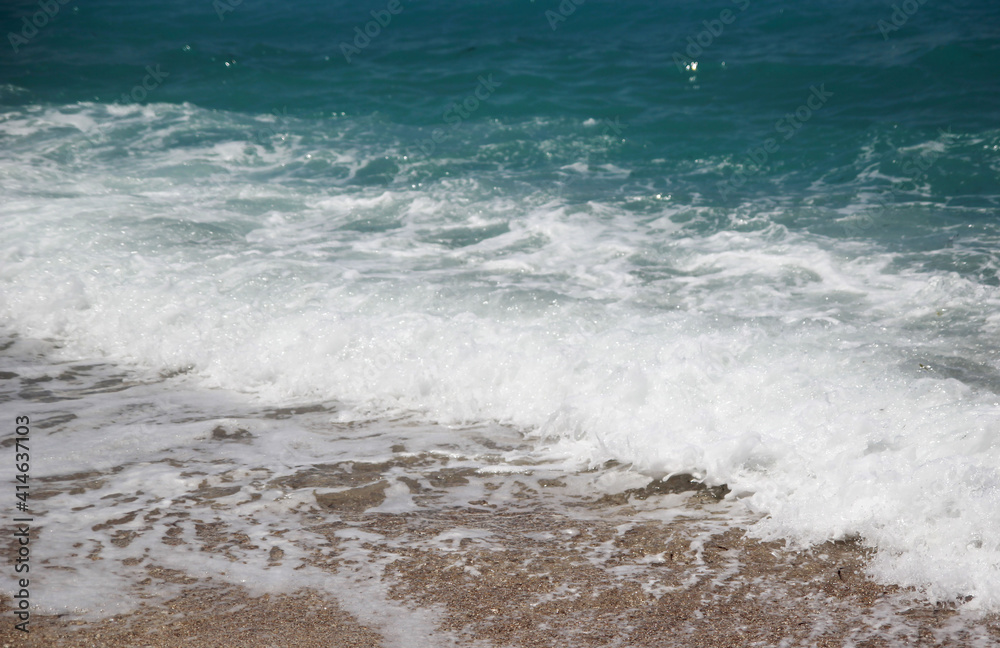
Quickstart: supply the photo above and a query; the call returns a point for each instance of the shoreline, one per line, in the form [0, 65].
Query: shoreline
[602, 572]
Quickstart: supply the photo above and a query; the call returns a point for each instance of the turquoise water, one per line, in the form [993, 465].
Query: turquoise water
[678, 132]
[752, 240]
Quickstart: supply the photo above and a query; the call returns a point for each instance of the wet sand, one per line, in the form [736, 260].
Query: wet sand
[209, 616]
[599, 573]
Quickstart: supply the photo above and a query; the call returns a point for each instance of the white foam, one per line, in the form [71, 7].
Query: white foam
[836, 388]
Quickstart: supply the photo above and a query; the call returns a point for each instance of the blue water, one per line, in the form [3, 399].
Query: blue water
[684, 134]
[750, 239]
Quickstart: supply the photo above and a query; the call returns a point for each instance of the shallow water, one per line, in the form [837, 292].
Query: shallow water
[775, 270]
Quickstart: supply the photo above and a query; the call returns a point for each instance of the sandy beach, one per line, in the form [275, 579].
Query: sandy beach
[600, 572]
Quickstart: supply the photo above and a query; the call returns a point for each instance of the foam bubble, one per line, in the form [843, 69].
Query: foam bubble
[839, 387]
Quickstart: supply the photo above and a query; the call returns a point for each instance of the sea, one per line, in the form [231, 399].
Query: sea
[753, 241]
